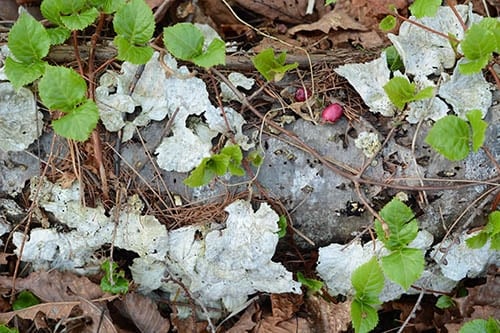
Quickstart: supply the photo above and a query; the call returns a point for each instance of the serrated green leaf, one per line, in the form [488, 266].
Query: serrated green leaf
[368, 280]
[445, 302]
[493, 226]
[21, 74]
[272, 67]
[28, 40]
[473, 66]
[364, 317]
[495, 242]
[474, 326]
[58, 35]
[400, 91]
[404, 266]
[427, 92]
[402, 228]
[135, 22]
[218, 164]
[51, 10]
[200, 175]
[24, 300]
[478, 42]
[236, 170]
[282, 224]
[61, 88]
[129, 52]
[493, 325]
[450, 137]
[478, 128]
[78, 123]
[387, 23]
[183, 40]
[422, 8]
[234, 152]
[214, 55]
[393, 59]
[71, 7]
[108, 6]
[80, 20]
[255, 158]
[477, 241]
[113, 281]
[312, 285]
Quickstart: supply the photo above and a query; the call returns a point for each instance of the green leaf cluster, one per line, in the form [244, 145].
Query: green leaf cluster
[114, 280]
[229, 159]
[451, 136]
[481, 40]
[491, 231]
[64, 90]
[481, 326]
[270, 66]
[403, 265]
[24, 300]
[312, 285]
[282, 224]
[6, 329]
[400, 91]
[368, 282]
[387, 23]
[185, 41]
[134, 25]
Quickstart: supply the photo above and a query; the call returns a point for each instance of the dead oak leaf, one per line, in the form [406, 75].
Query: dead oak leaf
[333, 20]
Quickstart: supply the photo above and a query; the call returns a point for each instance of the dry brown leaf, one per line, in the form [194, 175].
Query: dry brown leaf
[327, 316]
[269, 325]
[54, 311]
[144, 313]
[282, 10]
[55, 286]
[101, 321]
[285, 306]
[333, 20]
[246, 323]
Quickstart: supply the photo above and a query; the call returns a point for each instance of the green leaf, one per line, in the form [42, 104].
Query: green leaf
[135, 22]
[271, 67]
[51, 10]
[312, 285]
[5, 329]
[368, 281]
[113, 281]
[61, 88]
[473, 66]
[21, 74]
[214, 55]
[200, 175]
[400, 91]
[477, 241]
[425, 93]
[402, 228]
[129, 52]
[478, 128]
[183, 40]
[78, 123]
[58, 35]
[329, 2]
[474, 326]
[80, 20]
[445, 302]
[404, 266]
[393, 59]
[422, 8]
[387, 23]
[364, 316]
[24, 300]
[108, 6]
[233, 152]
[218, 164]
[478, 42]
[282, 224]
[493, 325]
[255, 158]
[495, 242]
[28, 40]
[450, 137]
[493, 226]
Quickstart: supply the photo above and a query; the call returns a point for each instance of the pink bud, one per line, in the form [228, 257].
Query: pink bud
[332, 113]
[302, 94]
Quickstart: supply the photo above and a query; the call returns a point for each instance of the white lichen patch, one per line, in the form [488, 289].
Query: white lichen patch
[369, 79]
[20, 121]
[424, 52]
[466, 92]
[368, 143]
[238, 80]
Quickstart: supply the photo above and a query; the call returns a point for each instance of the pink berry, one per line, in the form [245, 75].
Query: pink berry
[302, 94]
[332, 113]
